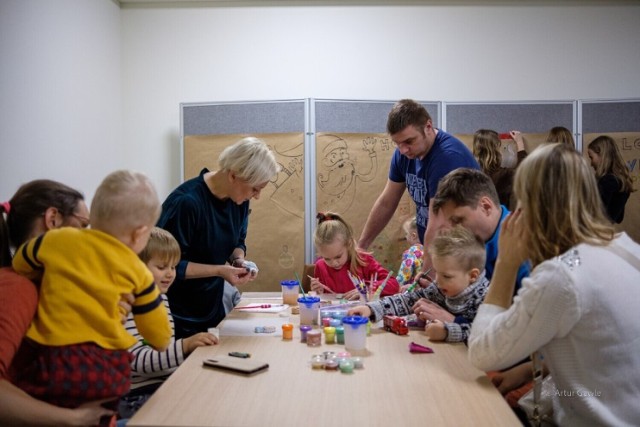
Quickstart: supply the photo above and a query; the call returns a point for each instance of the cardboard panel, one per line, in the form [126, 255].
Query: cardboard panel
[352, 170]
[275, 237]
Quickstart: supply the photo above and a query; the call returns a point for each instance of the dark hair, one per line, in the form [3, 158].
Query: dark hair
[407, 112]
[464, 187]
[28, 204]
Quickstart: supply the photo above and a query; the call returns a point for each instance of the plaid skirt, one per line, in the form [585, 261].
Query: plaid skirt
[71, 375]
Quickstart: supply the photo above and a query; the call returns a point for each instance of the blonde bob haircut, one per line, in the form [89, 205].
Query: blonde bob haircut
[161, 245]
[124, 201]
[557, 191]
[250, 159]
[462, 245]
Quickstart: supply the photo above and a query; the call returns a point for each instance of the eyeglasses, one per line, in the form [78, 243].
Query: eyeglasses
[84, 221]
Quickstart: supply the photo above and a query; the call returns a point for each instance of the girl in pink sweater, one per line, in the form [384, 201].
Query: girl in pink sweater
[338, 256]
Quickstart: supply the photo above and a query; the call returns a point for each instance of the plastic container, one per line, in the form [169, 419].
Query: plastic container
[340, 334]
[303, 332]
[314, 338]
[290, 289]
[287, 331]
[309, 309]
[355, 334]
[329, 335]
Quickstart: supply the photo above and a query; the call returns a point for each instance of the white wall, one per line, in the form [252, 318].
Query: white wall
[60, 92]
[172, 55]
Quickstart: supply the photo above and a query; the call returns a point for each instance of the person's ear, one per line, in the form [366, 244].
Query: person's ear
[486, 205]
[138, 233]
[52, 218]
[473, 275]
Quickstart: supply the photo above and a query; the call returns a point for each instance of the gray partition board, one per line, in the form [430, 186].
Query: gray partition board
[603, 117]
[503, 117]
[359, 116]
[243, 118]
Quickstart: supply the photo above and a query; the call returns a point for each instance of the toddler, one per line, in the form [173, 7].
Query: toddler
[411, 258]
[339, 256]
[79, 343]
[458, 259]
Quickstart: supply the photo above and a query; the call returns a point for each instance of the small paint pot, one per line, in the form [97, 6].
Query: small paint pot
[314, 338]
[304, 329]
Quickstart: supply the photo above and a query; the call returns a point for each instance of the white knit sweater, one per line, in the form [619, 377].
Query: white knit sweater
[581, 311]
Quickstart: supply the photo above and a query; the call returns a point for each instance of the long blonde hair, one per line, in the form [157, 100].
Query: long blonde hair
[332, 226]
[561, 205]
[486, 149]
[611, 162]
[561, 134]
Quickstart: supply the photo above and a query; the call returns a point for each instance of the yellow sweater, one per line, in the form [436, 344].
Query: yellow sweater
[82, 274]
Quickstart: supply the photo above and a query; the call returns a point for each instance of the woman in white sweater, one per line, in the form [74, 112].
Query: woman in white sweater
[579, 305]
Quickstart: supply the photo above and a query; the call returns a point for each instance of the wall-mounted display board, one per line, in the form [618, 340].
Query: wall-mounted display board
[276, 235]
[621, 121]
[533, 119]
[352, 157]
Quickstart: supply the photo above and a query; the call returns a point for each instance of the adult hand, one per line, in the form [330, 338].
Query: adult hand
[513, 242]
[517, 137]
[435, 330]
[235, 275]
[428, 310]
[198, 340]
[513, 378]
[124, 306]
[359, 310]
[89, 414]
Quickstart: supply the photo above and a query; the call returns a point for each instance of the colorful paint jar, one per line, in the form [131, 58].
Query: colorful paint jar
[317, 362]
[314, 338]
[287, 331]
[304, 329]
[340, 334]
[357, 362]
[346, 366]
[330, 335]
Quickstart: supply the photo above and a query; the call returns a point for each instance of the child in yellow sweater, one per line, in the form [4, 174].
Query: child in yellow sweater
[79, 343]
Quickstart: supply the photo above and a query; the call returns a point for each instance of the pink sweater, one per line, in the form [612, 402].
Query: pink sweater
[339, 282]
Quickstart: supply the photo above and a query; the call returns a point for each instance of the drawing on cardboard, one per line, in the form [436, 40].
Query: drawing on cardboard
[285, 259]
[338, 172]
[290, 180]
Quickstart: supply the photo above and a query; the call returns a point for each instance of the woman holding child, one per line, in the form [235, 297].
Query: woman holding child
[36, 207]
[578, 306]
[209, 215]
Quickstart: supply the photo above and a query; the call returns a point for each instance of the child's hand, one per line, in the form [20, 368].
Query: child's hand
[436, 331]
[198, 340]
[352, 295]
[317, 286]
[360, 310]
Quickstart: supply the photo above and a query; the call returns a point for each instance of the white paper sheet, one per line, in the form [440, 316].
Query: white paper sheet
[246, 327]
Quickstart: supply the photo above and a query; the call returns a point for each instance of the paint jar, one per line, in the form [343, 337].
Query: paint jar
[339, 314]
[326, 321]
[330, 335]
[287, 331]
[357, 362]
[314, 338]
[355, 334]
[346, 366]
[309, 309]
[340, 334]
[331, 365]
[290, 289]
[335, 322]
[317, 362]
[303, 332]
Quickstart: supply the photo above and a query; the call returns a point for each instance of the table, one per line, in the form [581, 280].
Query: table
[395, 388]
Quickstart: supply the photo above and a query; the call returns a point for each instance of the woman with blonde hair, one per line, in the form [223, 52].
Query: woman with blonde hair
[488, 152]
[579, 316]
[209, 215]
[561, 134]
[614, 179]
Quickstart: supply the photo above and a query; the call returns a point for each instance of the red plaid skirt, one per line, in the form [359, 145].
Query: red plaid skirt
[71, 375]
